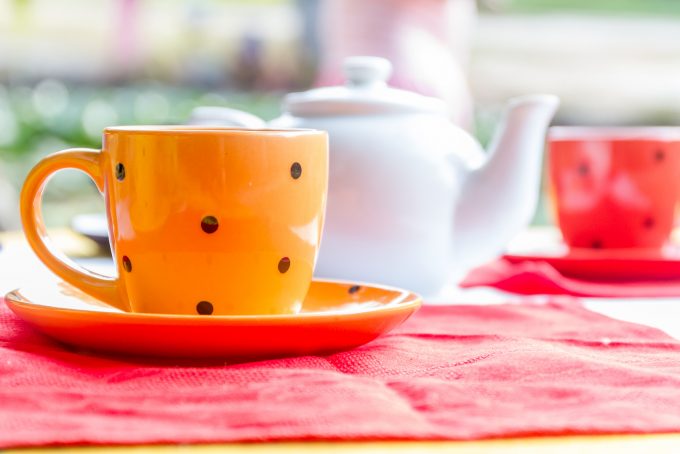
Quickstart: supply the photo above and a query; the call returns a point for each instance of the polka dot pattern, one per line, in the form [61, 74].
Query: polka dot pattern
[120, 171]
[204, 308]
[209, 224]
[296, 170]
[284, 265]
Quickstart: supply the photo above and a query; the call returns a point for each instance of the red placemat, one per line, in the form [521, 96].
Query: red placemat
[460, 372]
[536, 277]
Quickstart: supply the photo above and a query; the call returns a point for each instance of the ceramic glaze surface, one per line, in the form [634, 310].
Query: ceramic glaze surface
[202, 221]
[615, 192]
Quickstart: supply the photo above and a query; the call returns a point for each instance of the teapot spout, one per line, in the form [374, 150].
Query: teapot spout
[224, 116]
[499, 199]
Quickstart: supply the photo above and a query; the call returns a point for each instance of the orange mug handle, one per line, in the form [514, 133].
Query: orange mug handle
[106, 289]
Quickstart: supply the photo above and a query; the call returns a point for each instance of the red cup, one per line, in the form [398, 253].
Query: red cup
[615, 187]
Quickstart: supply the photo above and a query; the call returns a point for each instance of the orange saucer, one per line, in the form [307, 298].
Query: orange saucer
[335, 316]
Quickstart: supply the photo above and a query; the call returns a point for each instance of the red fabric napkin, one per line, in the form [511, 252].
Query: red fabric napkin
[460, 372]
[536, 277]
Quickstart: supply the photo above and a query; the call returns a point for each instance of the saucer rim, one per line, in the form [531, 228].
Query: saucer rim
[405, 300]
[591, 254]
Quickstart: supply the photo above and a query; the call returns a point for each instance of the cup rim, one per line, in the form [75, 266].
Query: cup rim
[208, 129]
[613, 133]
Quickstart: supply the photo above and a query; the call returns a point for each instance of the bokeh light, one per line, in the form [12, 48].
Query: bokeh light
[50, 98]
[98, 114]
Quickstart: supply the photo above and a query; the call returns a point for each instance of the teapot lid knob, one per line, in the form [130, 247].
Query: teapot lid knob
[366, 71]
[365, 92]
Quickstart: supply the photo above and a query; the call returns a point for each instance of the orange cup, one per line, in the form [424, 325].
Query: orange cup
[615, 187]
[201, 220]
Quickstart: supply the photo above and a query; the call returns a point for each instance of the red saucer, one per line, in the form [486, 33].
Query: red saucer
[608, 264]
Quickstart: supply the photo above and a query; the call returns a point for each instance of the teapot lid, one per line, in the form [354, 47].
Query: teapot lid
[365, 92]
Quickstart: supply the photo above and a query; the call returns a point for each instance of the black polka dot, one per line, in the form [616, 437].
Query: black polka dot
[120, 171]
[659, 155]
[204, 308]
[353, 289]
[209, 224]
[583, 169]
[648, 222]
[284, 265]
[596, 244]
[296, 170]
[127, 264]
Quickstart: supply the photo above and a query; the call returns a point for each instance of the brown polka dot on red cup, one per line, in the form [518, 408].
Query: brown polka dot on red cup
[659, 155]
[648, 222]
[596, 244]
[583, 169]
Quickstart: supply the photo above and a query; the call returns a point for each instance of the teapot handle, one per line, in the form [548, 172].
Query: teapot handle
[224, 116]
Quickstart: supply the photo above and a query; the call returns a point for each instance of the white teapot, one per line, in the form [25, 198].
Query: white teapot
[413, 200]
